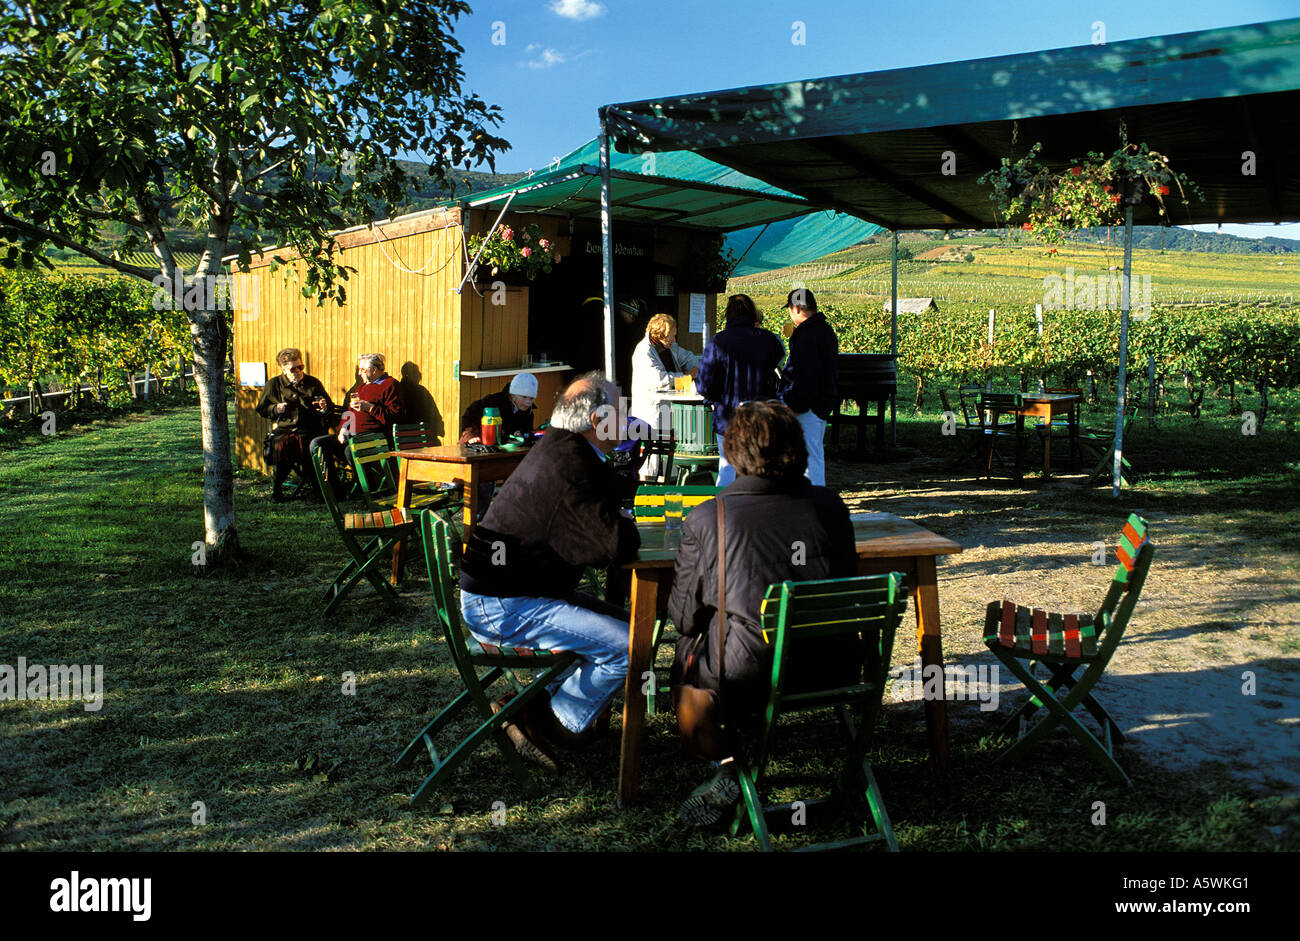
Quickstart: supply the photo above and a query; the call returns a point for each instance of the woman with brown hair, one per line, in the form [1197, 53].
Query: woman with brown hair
[777, 527]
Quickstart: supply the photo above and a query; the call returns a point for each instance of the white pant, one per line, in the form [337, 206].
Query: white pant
[814, 431]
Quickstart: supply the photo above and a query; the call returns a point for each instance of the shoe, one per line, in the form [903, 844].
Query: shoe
[713, 800]
[528, 749]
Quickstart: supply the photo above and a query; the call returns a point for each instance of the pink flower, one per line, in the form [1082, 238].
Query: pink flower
[544, 244]
[507, 234]
[555, 257]
[526, 251]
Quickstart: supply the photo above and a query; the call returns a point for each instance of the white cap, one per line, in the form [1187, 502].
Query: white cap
[524, 384]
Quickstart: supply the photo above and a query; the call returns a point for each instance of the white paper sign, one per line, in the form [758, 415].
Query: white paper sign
[697, 313]
[252, 374]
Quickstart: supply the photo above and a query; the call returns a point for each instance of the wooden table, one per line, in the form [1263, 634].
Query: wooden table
[1043, 405]
[885, 543]
[450, 463]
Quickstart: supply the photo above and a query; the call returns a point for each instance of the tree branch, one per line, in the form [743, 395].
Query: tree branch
[12, 222]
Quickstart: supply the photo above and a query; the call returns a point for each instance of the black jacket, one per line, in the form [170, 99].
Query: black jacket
[512, 421]
[808, 382]
[774, 532]
[556, 514]
[301, 417]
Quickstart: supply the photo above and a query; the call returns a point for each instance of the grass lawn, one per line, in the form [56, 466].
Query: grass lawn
[228, 688]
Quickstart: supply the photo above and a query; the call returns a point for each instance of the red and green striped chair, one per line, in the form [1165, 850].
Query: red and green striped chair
[471, 657]
[381, 527]
[1022, 637]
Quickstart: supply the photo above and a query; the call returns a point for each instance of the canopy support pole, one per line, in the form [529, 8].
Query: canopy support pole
[1120, 403]
[469, 269]
[893, 335]
[606, 247]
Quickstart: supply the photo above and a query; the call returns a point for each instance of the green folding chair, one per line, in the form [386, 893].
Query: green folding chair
[1022, 637]
[793, 612]
[411, 435]
[383, 528]
[469, 656]
[369, 456]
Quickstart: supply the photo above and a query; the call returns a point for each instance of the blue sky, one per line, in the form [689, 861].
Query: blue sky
[551, 63]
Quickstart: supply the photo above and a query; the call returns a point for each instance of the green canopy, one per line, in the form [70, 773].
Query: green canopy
[903, 148]
[795, 241]
[662, 188]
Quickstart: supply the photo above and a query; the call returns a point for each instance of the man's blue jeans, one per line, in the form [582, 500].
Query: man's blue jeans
[726, 473]
[814, 433]
[595, 631]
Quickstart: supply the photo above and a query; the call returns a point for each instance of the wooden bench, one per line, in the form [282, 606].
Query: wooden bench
[865, 378]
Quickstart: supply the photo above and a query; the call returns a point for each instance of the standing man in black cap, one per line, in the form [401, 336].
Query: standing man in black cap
[808, 381]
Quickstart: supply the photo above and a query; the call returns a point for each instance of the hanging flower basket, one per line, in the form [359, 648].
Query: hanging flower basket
[1091, 193]
[512, 254]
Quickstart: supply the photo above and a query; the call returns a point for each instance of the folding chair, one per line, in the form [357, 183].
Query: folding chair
[1066, 644]
[793, 612]
[410, 436]
[469, 656]
[1100, 444]
[967, 438]
[655, 463]
[368, 454]
[385, 527]
[991, 409]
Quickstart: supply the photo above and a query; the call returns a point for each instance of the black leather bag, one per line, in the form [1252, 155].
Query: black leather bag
[699, 717]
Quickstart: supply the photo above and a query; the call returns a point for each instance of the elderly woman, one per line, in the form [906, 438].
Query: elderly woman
[740, 365]
[299, 406]
[778, 527]
[656, 362]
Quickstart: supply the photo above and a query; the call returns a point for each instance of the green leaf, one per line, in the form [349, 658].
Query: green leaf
[248, 102]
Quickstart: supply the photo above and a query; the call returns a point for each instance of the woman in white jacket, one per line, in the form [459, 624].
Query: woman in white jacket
[656, 362]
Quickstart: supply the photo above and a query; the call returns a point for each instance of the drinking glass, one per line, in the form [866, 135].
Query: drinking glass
[672, 511]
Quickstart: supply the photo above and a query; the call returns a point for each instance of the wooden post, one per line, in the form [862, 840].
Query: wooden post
[1121, 396]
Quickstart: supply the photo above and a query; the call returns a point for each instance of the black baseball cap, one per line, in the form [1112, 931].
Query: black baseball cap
[801, 297]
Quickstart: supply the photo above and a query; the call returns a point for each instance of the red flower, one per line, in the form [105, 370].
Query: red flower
[1164, 191]
[1076, 170]
[1106, 188]
[1114, 197]
[1027, 227]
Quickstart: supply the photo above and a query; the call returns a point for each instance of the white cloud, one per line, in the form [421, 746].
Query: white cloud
[548, 58]
[532, 47]
[576, 9]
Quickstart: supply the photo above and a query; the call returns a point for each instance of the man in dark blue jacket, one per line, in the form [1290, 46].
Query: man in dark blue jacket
[739, 365]
[808, 383]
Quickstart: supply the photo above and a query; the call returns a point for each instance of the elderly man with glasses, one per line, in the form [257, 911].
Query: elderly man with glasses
[373, 406]
[300, 408]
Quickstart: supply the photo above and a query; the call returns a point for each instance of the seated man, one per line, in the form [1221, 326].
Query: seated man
[300, 408]
[557, 513]
[515, 402]
[373, 406]
[778, 527]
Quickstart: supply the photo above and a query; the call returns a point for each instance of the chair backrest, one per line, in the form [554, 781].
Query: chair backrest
[793, 611]
[969, 396]
[369, 455]
[664, 447]
[649, 500]
[410, 436]
[442, 578]
[1003, 404]
[1134, 551]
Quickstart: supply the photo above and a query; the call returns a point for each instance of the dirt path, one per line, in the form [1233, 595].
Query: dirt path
[1209, 669]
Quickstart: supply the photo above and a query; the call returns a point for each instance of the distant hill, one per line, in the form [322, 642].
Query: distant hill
[1152, 237]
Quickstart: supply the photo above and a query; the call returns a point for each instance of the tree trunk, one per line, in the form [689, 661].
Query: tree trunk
[920, 390]
[207, 330]
[1263, 402]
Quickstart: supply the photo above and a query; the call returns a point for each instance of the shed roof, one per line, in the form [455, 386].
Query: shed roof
[874, 144]
[912, 305]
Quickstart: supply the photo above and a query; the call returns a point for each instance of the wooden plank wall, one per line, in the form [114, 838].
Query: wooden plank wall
[413, 317]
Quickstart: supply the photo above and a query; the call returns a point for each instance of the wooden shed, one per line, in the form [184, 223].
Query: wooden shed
[451, 340]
